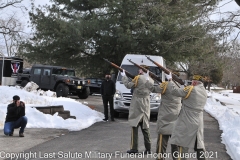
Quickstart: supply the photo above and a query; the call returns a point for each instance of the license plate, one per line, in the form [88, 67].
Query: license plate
[79, 87]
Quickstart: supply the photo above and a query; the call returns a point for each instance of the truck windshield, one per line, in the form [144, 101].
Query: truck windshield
[64, 72]
[134, 71]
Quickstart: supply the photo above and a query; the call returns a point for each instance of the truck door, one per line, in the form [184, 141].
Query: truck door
[46, 78]
[36, 75]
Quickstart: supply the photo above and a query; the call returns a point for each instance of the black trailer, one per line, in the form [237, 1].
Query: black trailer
[9, 68]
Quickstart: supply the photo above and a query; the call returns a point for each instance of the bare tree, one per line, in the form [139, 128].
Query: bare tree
[226, 25]
[11, 39]
[231, 59]
[10, 27]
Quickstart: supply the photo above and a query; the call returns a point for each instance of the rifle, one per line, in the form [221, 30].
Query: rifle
[154, 76]
[175, 77]
[119, 68]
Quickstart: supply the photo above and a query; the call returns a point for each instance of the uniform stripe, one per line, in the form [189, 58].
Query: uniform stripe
[159, 145]
[131, 146]
[180, 152]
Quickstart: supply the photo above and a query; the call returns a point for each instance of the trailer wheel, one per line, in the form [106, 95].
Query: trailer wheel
[62, 90]
[24, 83]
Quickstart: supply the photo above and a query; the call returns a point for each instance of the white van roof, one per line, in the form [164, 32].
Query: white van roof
[141, 59]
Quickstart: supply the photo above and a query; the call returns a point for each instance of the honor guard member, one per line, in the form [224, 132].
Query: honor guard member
[139, 110]
[167, 114]
[188, 130]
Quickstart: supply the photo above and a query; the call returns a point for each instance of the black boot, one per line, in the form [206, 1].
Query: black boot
[132, 151]
[200, 154]
[105, 119]
[174, 151]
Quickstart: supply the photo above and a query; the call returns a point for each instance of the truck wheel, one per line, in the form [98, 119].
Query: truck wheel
[84, 94]
[24, 83]
[62, 90]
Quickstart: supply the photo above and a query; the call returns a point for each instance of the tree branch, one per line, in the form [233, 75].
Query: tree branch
[11, 3]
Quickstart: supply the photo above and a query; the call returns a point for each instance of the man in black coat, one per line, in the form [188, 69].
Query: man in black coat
[15, 117]
[108, 90]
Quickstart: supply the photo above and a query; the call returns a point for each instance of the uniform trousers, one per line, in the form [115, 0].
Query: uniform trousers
[162, 145]
[178, 151]
[146, 135]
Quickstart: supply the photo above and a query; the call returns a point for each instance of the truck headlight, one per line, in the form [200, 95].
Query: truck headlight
[67, 80]
[118, 95]
[156, 97]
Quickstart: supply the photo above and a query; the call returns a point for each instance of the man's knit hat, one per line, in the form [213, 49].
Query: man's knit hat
[16, 97]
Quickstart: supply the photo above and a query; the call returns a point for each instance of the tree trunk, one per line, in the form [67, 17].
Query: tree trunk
[209, 84]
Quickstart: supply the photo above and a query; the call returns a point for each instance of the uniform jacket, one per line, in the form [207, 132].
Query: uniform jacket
[14, 112]
[169, 107]
[140, 103]
[189, 124]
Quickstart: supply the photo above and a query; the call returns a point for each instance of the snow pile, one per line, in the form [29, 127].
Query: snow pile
[225, 108]
[32, 87]
[85, 116]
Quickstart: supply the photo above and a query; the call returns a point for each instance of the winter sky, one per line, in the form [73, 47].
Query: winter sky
[20, 13]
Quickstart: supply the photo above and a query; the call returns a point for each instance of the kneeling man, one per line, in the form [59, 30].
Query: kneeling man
[15, 117]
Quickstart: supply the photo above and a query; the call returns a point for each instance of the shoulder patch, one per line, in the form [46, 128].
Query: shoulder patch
[188, 89]
[163, 86]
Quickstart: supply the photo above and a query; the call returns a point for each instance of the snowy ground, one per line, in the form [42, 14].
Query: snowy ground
[85, 116]
[224, 105]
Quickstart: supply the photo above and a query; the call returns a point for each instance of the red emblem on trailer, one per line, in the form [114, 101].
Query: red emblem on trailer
[15, 67]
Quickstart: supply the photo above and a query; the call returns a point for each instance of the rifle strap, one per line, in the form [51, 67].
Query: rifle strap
[163, 86]
[188, 89]
[135, 80]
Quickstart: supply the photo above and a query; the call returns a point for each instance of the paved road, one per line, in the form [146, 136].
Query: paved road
[105, 140]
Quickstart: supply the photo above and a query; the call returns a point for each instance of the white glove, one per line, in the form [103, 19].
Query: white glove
[147, 75]
[123, 73]
[168, 76]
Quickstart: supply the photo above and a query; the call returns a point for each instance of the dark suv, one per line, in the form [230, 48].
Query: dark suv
[94, 85]
[62, 80]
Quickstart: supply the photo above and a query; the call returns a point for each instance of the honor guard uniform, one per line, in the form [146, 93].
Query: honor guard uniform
[139, 110]
[188, 130]
[167, 114]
